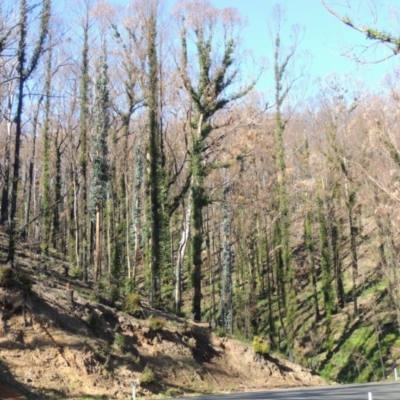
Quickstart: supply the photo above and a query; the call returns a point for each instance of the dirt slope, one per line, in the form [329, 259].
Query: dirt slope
[88, 348]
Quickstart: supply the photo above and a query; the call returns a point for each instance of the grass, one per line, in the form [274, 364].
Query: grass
[132, 303]
[157, 323]
[360, 357]
[148, 375]
[119, 340]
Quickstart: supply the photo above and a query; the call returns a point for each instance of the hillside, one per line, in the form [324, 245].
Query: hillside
[91, 348]
[148, 189]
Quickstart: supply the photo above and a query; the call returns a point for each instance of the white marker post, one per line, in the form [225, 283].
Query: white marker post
[369, 396]
[134, 389]
[395, 374]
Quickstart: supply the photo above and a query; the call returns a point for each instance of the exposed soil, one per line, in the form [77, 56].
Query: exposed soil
[71, 350]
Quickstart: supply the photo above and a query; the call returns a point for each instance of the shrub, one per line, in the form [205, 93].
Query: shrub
[260, 346]
[6, 276]
[220, 332]
[192, 343]
[114, 293]
[24, 282]
[132, 303]
[76, 273]
[93, 319]
[129, 285]
[120, 341]
[156, 324]
[101, 286]
[148, 375]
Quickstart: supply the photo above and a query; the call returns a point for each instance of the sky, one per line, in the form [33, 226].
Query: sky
[326, 38]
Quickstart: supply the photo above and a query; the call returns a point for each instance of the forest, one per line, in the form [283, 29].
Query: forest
[134, 143]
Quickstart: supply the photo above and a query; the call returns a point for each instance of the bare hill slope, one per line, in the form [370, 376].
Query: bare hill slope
[78, 343]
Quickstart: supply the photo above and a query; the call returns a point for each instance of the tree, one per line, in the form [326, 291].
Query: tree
[209, 86]
[46, 199]
[226, 299]
[100, 169]
[379, 36]
[157, 217]
[284, 81]
[25, 69]
[82, 246]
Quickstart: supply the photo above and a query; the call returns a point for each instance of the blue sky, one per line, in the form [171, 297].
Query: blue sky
[326, 38]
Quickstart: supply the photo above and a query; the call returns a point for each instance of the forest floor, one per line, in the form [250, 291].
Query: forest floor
[89, 349]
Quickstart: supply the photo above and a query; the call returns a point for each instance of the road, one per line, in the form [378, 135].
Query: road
[379, 391]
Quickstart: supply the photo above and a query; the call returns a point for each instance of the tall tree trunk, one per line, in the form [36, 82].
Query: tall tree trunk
[4, 216]
[45, 182]
[97, 251]
[24, 71]
[57, 193]
[198, 202]
[83, 158]
[181, 256]
[31, 167]
[308, 236]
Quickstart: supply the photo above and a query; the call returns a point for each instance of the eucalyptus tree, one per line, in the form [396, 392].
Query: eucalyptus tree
[8, 27]
[339, 99]
[284, 79]
[129, 98]
[26, 66]
[8, 87]
[45, 182]
[84, 96]
[157, 217]
[226, 298]
[211, 84]
[364, 19]
[100, 169]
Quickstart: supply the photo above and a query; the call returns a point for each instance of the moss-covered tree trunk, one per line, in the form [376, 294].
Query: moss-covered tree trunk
[158, 253]
[25, 69]
[100, 167]
[45, 189]
[208, 94]
[326, 269]
[309, 241]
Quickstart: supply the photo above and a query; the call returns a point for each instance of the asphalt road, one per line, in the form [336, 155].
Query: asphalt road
[379, 391]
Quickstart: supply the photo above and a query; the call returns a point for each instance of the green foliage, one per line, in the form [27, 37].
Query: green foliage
[93, 319]
[45, 197]
[76, 273]
[132, 303]
[260, 346]
[119, 340]
[129, 286]
[347, 20]
[226, 300]
[220, 332]
[378, 35]
[6, 276]
[114, 293]
[172, 393]
[157, 323]
[101, 285]
[148, 375]
[100, 173]
[9, 278]
[24, 282]
[326, 267]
